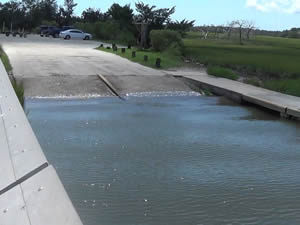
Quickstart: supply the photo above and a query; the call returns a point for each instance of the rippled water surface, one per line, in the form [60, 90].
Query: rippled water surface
[172, 160]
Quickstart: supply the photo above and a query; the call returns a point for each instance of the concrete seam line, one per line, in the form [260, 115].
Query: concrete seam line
[24, 178]
[110, 86]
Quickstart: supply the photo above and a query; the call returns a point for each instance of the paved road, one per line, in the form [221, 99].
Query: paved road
[36, 56]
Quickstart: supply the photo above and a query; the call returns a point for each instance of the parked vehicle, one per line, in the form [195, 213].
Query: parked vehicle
[47, 31]
[75, 34]
[53, 31]
[56, 31]
[42, 29]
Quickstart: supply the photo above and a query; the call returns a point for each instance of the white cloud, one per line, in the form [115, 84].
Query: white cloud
[286, 6]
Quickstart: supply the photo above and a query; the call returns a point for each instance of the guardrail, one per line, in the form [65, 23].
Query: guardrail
[31, 192]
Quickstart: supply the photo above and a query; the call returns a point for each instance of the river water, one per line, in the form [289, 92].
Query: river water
[172, 160]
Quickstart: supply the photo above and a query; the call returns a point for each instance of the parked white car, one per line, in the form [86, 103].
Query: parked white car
[75, 34]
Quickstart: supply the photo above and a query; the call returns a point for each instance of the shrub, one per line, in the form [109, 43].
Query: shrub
[49, 23]
[106, 30]
[126, 37]
[222, 72]
[252, 81]
[86, 27]
[162, 39]
[109, 30]
[181, 26]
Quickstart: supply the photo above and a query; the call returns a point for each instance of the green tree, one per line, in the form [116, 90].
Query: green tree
[33, 15]
[12, 12]
[149, 18]
[181, 26]
[48, 9]
[155, 18]
[91, 15]
[123, 15]
[69, 7]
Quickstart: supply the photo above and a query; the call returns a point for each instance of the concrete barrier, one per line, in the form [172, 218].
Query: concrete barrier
[265, 104]
[293, 112]
[219, 91]
[30, 190]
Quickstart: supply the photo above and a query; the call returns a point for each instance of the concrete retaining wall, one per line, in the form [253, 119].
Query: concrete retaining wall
[30, 190]
[287, 106]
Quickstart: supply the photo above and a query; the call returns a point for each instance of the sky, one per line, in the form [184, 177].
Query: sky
[266, 14]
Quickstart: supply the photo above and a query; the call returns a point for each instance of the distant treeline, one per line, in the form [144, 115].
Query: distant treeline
[117, 23]
[237, 29]
[241, 29]
[292, 33]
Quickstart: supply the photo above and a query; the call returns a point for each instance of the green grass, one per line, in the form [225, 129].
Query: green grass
[252, 81]
[268, 56]
[287, 86]
[5, 60]
[274, 60]
[18, 87]
[169, 59]
[222, 72]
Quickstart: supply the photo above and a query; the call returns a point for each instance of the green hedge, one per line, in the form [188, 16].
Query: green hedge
[163, 39]
[107, 31]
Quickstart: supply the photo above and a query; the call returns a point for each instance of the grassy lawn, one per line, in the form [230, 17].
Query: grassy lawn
[274, 60]
[168, 58]
[222, 72]
[287, 86]
[271, 56]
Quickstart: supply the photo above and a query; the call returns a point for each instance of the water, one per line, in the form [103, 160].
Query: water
[172, 160]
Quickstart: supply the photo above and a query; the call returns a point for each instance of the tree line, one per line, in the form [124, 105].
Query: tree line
[29, 14]
[243, 30]
[237, 29]
[117, 20]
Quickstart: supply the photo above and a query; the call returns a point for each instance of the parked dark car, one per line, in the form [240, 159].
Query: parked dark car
[53, 31]
[42, 29]
[47, 30]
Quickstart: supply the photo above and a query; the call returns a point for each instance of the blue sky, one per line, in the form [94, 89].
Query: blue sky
[267, 14]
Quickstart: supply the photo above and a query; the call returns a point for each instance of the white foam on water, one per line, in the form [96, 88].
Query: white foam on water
[134, 94]
[87, 96]
[163, 94]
